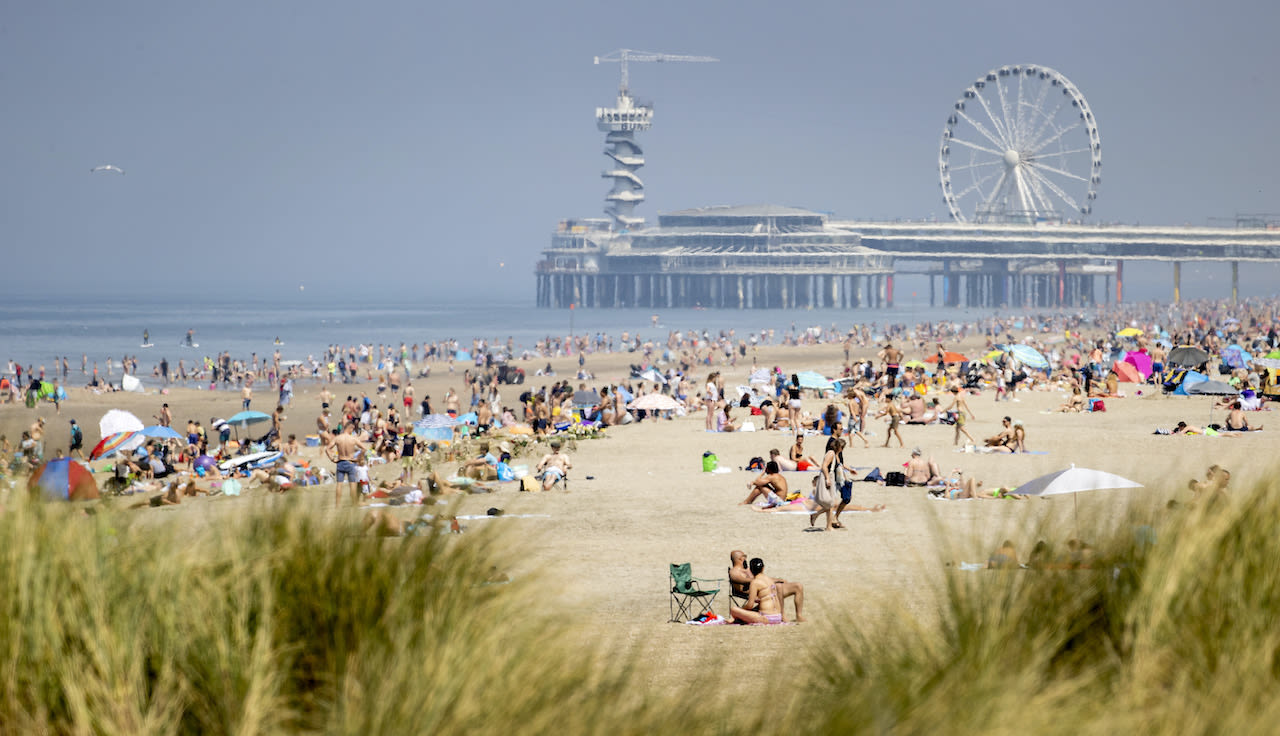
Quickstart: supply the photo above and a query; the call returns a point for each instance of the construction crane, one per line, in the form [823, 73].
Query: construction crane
[623, 56]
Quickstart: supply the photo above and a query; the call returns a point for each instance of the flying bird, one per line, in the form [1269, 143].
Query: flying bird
[108, 167]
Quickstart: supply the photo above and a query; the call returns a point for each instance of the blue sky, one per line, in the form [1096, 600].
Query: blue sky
[414, 147]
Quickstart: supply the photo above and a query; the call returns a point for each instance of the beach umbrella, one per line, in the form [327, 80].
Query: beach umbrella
[130, 383]
[991, 356]
[119, 420]
[436, 421]
[1187, 356]
[915, 364]
[1074, 480]
[246, 418]
[1129, 332]
[118, 442]
[1029, 356]
[760, 375]
[1127, 373]
[948, 357]
[815, 380]
[1273, 355]
[204, 461]
[63, 479]
[586, 398]
[1267, 362]
[655, 402]
[1212, 388]
[1235, 356]
[162, 433]
[654, 376]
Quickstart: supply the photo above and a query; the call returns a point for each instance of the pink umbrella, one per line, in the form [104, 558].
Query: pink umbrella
[1127, 373]
[1141, 361]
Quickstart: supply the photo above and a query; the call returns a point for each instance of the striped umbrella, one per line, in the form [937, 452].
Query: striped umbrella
[118, 442]
[435, 421]
[63, 479]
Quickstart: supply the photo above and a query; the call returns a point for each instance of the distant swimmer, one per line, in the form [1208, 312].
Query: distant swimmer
[108, 167]
[146, 337]
[190, 334]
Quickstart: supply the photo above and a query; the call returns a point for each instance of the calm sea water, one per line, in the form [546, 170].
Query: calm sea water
[35, 330]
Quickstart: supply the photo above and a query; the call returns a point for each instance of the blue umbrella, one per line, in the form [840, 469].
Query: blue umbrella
[815, 380]
[245, 418]
[1029, 356]
[1235, 356]
[162, 433]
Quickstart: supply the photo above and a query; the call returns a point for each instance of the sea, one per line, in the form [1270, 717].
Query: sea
[35, 330]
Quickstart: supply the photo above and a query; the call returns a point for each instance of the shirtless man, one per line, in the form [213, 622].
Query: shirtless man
[891, 357]
[553, 466]
[764, 603]
[921, 472]
[326, 396]
[1236, 421]
[771, 484]
[963, 414]
[343, 449]
[37, 437]
[246, 395]
[740, 581]
[165, 417]
[1002, 438]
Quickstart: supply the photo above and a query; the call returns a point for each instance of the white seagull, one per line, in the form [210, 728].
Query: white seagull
[108, 167]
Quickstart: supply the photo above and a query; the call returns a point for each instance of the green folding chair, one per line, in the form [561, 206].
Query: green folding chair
[689, 599]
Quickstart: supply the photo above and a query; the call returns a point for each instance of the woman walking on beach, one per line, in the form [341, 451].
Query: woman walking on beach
[963, 414]
[711, 398]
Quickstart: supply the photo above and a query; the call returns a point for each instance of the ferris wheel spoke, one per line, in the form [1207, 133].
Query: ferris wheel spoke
[1039, 146]
[1056, 170]
[1004, 111]
[1001, 131]
[1055, 189]
[1034, 143]
[977, 147]
[1034, 180]
[995, 141]
[976, 186]
[1000, 186]
[1024, 191]
[1039, 105]
[1074, 150]
[980, 164]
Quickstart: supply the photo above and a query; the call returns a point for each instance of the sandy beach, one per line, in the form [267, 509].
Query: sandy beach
[638, 499]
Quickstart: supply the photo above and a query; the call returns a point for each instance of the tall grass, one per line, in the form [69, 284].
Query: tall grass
[281, 620]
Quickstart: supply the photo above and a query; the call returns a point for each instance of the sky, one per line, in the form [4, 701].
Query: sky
[429, 149]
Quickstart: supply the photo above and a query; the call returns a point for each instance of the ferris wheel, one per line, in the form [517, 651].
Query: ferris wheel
[1020, 145]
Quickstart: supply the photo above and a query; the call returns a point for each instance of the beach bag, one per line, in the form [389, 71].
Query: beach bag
[895, 478]
[505, 472]
[530, 484]
[873, 476]
[757, 463]
[709, 461]
[1097, 405]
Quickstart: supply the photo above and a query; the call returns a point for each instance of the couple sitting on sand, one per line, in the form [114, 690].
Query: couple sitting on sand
[763, 595]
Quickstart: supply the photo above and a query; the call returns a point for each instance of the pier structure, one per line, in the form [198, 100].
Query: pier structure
[750, 257]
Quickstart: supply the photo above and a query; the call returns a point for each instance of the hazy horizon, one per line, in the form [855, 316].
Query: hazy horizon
[402, 147]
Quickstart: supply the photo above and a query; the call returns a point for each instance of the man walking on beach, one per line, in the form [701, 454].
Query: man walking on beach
[343, 449]
[246, 395]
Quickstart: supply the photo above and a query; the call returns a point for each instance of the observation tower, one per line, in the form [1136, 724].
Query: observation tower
[620, 123]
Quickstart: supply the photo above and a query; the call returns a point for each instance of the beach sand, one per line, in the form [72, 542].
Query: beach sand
[603, 547]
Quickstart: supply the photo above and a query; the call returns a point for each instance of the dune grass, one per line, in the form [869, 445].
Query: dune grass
[282, 620]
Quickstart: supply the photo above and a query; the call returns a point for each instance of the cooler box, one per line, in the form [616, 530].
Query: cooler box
[313, 440]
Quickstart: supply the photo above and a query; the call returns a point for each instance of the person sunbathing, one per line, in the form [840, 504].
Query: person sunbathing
[764, 603]
[740, 582]
[1213, 488]
[1076, 403]
[922, 472]
[770, 485]
[386, 524]
[1236, 421]
[1003, 437]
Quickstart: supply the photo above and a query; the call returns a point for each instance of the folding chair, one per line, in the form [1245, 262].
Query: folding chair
[687, 592]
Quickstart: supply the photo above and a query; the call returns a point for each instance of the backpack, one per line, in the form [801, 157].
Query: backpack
[757, 463]
[895, 478]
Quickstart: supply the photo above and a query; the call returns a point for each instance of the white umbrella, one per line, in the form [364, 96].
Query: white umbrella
[654, 376]
[1074, 480]
[760, 375]
[655, 402]
[130, 383]
[119, 420]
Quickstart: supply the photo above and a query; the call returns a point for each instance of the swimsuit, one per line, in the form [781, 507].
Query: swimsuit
[346, 471]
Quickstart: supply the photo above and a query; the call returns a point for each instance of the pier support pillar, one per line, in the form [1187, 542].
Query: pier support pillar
[888, 291]
[1062, 282]
[1119, 282]
[1177, 282]
[1235, 282]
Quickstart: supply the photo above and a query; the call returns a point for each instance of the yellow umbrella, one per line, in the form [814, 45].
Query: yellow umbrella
[992, 355]
[1129, 332]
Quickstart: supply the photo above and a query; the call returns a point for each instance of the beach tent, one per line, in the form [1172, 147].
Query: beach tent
[655, 402]
[462, 355]
[760, 375]
[654, 376]
[129, 383]
[1189, 379]
[1141, 362]
[1235, 356]
[1127, 372]
[63, 479]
